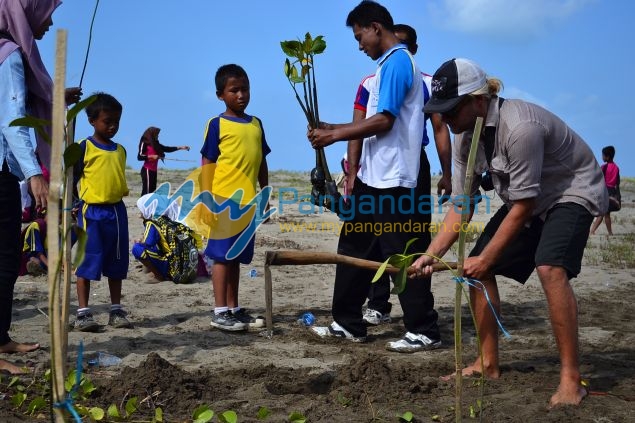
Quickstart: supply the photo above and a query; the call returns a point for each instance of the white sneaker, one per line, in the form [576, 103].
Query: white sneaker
[374, 317]
[413, 342]
[337, 331]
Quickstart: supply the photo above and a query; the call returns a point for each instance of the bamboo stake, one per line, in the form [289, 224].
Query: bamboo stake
[467, 191]
[57, 358]
[300, 258]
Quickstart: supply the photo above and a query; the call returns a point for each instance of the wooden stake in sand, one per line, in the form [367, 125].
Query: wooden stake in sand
[467, 191]
[299, 258]
[52, 217]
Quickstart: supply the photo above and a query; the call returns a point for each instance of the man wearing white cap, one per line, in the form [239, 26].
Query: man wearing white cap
[551, 186]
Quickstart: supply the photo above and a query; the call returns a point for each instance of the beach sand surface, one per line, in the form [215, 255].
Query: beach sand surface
[173, 359]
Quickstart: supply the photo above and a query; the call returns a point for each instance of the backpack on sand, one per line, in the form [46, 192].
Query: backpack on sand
[183, 252]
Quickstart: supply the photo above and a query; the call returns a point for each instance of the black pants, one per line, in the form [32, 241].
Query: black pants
[10, 225]
[148, 181]
[352, 283]
[379, 293]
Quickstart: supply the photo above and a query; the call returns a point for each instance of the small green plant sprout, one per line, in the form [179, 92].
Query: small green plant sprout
[228, 416]
[401, 261]
[263, 413]
[296, 417]
[130, 408]
[303, 54]
[406, 417]
[202, 414]
[83, 390]
[344, 401]
[299, 68]
[94, 414]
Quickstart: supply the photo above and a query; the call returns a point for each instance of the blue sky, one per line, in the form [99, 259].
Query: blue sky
[159, 58]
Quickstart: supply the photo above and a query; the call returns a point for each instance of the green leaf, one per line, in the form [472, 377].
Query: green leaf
[381, 270]
[18, 399]
[82, 239]
[36, 123]
[113, 411]
[72, 154]
[69, 382]
[408, 244]
[158, 415]
[131, 406]
[291, 48]
[78, 107]
[87, 386]
[296, 417]
[30, 122]
[37, 404]
[263, 413]
[204, 417]
[96, 413]
[400, 260]
[399, 281]
[319, 45]
[228, 416]
[307, 44]
[202, 414]
[287, 68]
[13, 381]
[407, 416]
[295, 78]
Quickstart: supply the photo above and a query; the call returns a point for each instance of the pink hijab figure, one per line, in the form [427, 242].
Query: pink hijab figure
[25, 88]
[22, 22]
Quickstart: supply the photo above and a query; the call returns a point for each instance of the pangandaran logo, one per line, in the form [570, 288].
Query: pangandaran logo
[219, 201]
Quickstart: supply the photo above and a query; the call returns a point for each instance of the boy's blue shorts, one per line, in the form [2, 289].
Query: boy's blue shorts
[106, 227]
[217, 250]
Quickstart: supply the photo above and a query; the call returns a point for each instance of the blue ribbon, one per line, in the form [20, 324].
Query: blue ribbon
[479, 285]
[68, 402]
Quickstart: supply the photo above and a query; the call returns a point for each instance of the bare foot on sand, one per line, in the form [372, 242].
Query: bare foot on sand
[569, 394]
[15, 347]
[474, 371]
[8, 367]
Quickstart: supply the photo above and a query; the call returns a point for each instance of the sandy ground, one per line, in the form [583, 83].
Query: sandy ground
[176, 358]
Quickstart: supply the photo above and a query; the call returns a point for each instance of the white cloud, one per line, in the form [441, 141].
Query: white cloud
[508, 18]
[513, 92]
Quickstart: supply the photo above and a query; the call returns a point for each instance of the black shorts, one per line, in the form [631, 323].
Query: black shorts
[558, 241]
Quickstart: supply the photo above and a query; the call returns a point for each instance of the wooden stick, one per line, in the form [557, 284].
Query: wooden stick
[58, 365]
[458, 343]
[300, 258]
[277, 258]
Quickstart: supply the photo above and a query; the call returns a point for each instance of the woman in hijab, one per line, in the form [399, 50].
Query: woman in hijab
[25, 88]
[149, 152]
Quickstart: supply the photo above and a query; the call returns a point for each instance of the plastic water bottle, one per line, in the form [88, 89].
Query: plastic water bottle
[104, 360]
[306, 319]
[253, 273]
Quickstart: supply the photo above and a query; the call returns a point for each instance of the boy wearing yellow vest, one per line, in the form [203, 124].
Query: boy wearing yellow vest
[102, 213]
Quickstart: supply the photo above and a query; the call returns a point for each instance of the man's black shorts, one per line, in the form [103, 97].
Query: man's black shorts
[558, 241]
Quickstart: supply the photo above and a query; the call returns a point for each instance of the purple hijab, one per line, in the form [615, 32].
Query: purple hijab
[18, 18]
